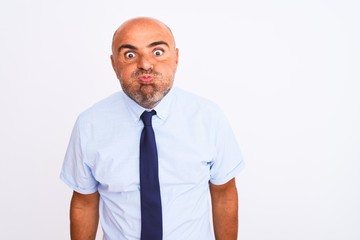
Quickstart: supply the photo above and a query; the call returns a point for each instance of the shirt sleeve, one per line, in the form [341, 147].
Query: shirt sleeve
[76, 172]
[228, 160]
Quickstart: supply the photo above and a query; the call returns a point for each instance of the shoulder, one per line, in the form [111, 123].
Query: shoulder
[103, 107]
[192, 102]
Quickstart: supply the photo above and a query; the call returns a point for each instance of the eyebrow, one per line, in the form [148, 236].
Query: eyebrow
[153, 44]
[158, 43]
[127, 46]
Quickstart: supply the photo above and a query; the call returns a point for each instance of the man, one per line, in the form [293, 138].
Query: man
[196, 150]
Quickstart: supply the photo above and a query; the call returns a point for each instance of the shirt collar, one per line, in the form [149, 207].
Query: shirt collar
[162, 109]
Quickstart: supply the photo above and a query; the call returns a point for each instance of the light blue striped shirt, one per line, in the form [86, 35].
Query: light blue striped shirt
[195, 145]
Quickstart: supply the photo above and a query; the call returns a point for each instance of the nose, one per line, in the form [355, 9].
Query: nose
[145, 63]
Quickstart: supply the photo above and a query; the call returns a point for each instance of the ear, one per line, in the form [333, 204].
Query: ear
[113, 63]
[177, 55]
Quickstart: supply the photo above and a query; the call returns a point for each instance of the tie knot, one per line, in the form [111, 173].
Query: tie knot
[146, 117]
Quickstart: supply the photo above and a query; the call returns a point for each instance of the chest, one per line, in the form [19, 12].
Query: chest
[184, 156]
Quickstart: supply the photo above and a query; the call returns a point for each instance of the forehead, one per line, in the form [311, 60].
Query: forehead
[142, 33]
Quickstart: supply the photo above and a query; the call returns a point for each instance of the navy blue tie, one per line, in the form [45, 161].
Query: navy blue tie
[151, 214]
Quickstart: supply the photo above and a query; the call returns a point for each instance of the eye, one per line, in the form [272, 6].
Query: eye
[129, 54]
[158, 52]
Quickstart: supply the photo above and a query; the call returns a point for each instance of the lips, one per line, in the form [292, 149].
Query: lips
[146, 78]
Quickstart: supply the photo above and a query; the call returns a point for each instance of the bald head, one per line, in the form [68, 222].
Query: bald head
[140, 24]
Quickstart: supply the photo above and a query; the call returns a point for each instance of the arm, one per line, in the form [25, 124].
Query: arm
[84, 216]
[224, 200]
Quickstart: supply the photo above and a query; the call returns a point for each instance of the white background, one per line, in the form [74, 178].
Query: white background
[286, 73]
